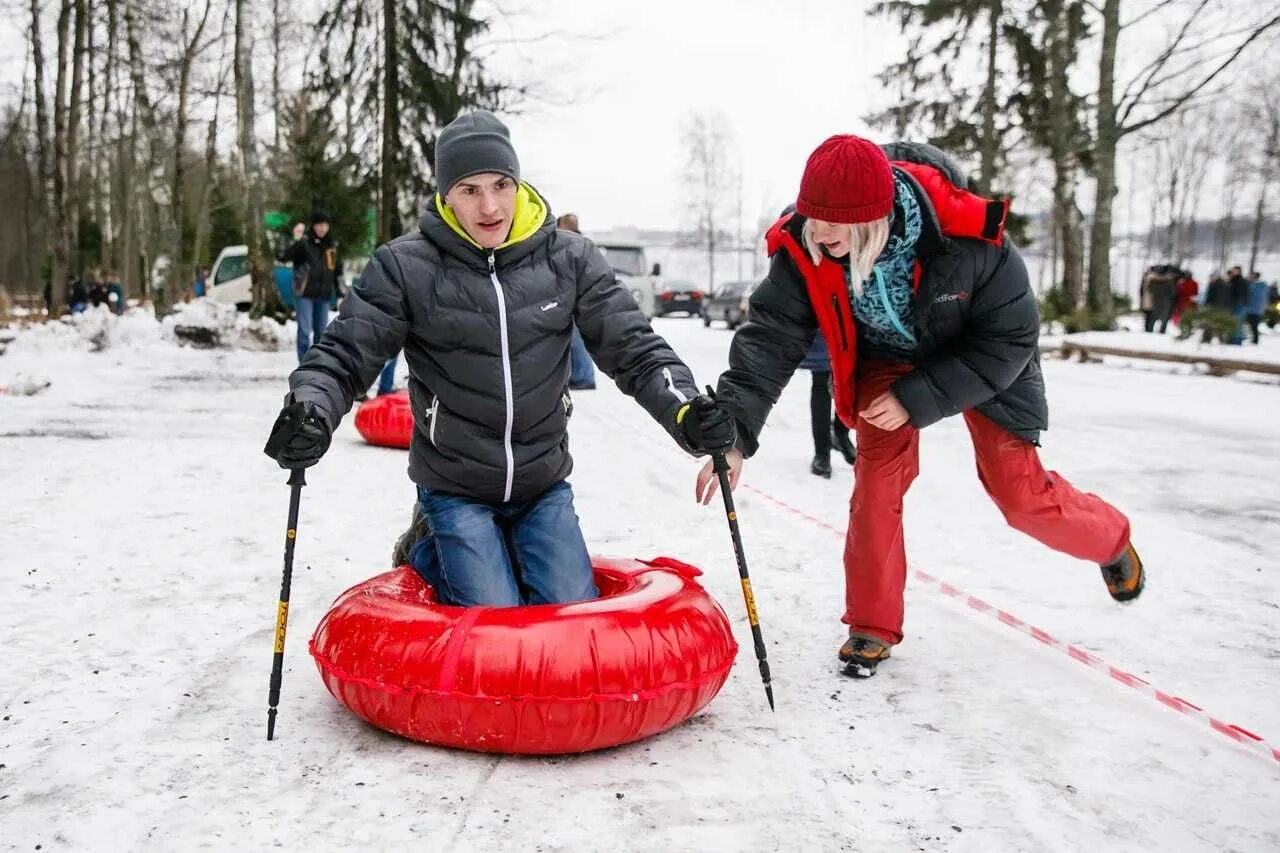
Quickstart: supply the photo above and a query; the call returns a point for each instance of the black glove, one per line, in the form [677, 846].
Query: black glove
[706, 426]
[300, 436]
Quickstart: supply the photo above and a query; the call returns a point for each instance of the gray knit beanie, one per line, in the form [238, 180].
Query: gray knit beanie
[473, 143]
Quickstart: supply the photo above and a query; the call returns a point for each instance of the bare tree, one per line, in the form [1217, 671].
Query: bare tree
[1204, 44]
[247, 145]
[709, 182]
[1268, 158]
[1182, 154]
[190, 50]
[42, 141]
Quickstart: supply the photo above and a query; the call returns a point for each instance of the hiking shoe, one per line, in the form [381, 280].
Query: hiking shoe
[417, 531]
[860, 656]
[1125, 577]
[821, 466]
[841, 441]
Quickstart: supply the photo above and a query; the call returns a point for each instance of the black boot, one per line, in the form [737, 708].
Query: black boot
[840, 441]
[861, 655]
[1125, 578]
[821, 466]
[416, 532]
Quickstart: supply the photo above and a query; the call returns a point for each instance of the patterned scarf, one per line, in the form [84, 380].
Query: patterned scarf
[886, 309]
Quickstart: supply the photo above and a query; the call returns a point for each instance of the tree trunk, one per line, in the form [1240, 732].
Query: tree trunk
[1104, 165]
[1065, 164]
[389, 189]
[200, 253]
[989, 147]
[104, 201]
[259, 267]
[1258, 217]
[142, 198]
[178, 272]
[127, 165]
[276, 36]
[72, 199]
[42, 138]
[90, 197]
[57, 225]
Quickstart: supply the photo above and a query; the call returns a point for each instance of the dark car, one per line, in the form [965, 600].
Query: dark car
[728, 304]
[678, 296]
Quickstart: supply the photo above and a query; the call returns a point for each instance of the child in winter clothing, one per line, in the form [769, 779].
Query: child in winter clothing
[928, 313]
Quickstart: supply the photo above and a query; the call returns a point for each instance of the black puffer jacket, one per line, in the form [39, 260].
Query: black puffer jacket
[976, 323]
[320, 257]
[486, 338]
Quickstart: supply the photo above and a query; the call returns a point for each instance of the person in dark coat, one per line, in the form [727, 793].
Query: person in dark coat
[482, 298]
[1217, 294]
[1159, 288]
[77, 295]
[1239, 290]
[582, 373]
[828, 431]
[928, 313]
[97, 292]
[317, 276]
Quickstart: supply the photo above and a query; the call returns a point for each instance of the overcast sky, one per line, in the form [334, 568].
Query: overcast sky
[785, 75]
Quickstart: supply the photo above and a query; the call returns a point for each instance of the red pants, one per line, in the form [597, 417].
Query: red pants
[1039, 503]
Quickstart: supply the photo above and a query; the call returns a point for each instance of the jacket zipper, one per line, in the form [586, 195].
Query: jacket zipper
[844, 335]
[433, 413]
[506, 378]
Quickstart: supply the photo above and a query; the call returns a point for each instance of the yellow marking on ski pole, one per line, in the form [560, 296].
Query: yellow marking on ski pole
[733, 516]
[282, 618]
[292, 534]
[751, 602]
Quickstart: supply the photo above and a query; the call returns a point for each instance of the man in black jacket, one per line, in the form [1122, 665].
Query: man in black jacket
[928, 313]
[317, 276]
[1239, 286]
[482, 298]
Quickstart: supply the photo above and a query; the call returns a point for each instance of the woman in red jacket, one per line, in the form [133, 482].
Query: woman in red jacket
[927, 311]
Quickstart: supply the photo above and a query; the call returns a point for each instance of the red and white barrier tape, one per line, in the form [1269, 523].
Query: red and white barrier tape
[1240, 735]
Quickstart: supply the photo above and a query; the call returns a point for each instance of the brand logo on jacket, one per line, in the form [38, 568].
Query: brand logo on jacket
[548, 306]
[960, 296]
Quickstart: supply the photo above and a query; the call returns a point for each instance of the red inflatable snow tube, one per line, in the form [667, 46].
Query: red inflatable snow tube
[646, 655]
[386, 421]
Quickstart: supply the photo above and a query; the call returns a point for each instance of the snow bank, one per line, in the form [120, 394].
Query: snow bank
[98, 330]
[204, 323]
[94, 330]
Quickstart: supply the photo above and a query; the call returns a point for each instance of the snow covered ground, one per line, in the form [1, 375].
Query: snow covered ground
[141, 543]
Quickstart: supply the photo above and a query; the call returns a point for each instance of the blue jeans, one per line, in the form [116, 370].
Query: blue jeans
[479, 554]
[581, 370]
[313, 316]
[387, 378]
[1237, 334]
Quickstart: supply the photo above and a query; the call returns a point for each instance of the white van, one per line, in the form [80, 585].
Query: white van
[629, 264]
[229, 280]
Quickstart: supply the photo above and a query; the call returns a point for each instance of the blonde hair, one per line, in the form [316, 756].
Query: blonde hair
[866, 241]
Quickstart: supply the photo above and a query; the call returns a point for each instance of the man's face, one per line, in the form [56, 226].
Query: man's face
[485, 205]
[1233, 272]
[321, 229]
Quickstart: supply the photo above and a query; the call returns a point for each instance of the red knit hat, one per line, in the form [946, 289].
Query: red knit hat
[847, 180]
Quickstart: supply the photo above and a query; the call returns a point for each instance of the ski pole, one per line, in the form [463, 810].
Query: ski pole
[721, 466]
[296, 481]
